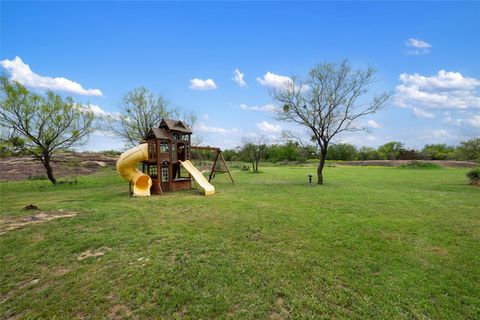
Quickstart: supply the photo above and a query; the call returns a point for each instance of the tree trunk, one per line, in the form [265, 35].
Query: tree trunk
[46, 164]
[321, 164]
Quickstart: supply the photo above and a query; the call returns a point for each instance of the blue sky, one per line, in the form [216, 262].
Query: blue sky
[427, 54]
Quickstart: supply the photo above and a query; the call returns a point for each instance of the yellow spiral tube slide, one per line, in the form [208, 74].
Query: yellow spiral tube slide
[126, 168]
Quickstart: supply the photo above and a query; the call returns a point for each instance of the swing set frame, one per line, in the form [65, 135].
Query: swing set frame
[218, 156]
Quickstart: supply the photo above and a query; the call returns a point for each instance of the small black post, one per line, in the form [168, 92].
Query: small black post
[310, 178]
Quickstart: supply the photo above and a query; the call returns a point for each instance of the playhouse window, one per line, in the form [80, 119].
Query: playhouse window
[164, 147]
[152, 151]
[176, 136]
[185, 137]
[174, 153]
[152, 171]
[164, 174]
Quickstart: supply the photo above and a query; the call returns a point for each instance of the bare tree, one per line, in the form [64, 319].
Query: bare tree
[328, 103]
[253, 150]
[191, 120]
[45, 123]
[140, 111]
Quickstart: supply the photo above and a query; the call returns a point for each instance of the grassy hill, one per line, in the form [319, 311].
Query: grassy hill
[383, 243]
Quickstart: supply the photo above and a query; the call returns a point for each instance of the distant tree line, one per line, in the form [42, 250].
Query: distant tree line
[294, 152]
[467, 150]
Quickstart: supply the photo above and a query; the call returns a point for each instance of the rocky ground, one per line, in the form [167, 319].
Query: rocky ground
[64, 165]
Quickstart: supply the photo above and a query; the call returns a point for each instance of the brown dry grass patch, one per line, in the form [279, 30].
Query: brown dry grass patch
[13, 223]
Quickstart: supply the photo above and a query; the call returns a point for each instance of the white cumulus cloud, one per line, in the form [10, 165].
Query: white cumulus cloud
[21, 72]
[419, 47]
[96, 110]
[415, 43]
[420, 113]
[104, 133]
[199, 84]
[373, 124]
[265, 108]
[278, 82]
[99, 112]
[274, 81]
[238, 78]
[474, 121]
[440, 133]
[202, 127]
[269, 128]
[442, 91]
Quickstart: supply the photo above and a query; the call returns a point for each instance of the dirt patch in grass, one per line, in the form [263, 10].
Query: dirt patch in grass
[94, 253]
[282, 312]
[60, 272]
[275, 316]
[119, 311]
[12, 223]
[439, 250]
[233, 310]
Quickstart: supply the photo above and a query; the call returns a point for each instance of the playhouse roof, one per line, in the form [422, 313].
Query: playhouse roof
[175, 125]
[159, 133]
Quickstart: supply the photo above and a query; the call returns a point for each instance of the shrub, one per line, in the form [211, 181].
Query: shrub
[341, 151]
[419, 165]
[391, 150]
[474, 176]
[470, 150]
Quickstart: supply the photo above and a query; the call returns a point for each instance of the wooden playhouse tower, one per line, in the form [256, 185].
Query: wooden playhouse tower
[168, 144]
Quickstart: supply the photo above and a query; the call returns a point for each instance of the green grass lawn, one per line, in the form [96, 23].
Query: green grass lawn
[383, 243]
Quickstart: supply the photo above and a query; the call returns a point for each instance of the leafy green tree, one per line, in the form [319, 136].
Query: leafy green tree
[439, 151]
[342, 151]
[469, 150]
[231, 154]
[330, 101]
[253, 150]
[273, 153]
[307, 152]
[391, 150]
[367, 153]
[46, 124]
[288, 151]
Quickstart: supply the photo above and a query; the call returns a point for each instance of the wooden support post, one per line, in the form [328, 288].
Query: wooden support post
[214, 164]
[225, 163]
[157, 160]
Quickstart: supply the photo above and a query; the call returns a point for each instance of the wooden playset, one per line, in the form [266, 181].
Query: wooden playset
[165, 160]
